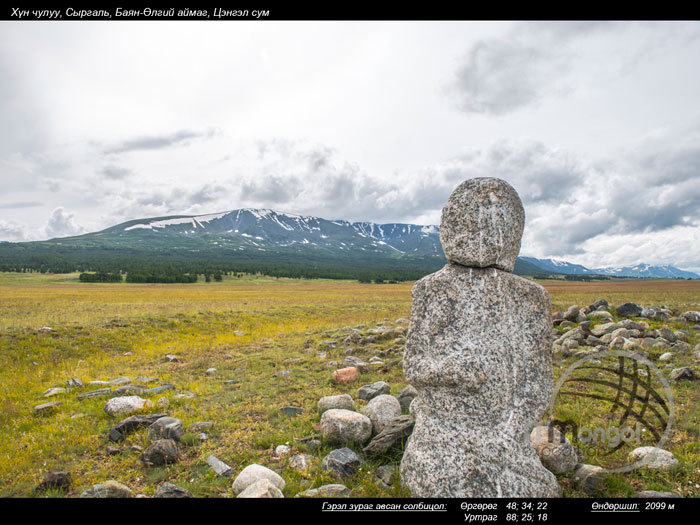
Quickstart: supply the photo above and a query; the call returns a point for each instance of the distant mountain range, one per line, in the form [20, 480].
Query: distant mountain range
[639, 270]
[247, 239]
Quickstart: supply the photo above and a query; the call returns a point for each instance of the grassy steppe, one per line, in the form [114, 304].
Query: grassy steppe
[105, 331]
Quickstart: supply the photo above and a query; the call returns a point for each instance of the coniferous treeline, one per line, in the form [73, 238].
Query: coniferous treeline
[100, 277]
[151, 277]
[48, 257]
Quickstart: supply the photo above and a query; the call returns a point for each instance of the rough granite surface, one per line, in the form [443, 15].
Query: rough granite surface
[478, 354]
[482, 224]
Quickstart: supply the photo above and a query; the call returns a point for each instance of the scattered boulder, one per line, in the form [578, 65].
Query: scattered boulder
[603, 315]
[554, 449]
[345, 375]
[60, 480]
[571, 313]
[108, 489]
[120, 381]
[605, 328]
[667, 356]
[668, 334]
[168, 490]
[368, 392]
[221, 468]
[588, 478]
[100, 392]
[385, 475]
[281, 450]
[682, 347]
[263, 488]
[158, 390]
[343, 401]
[345, 426]
[291, 411]
[655, 494]
[46, 408]
[162, 452]
[653, 458]
[74, 382]
[405, 396]
[128, 390]
[334, 490]
[683, 374]
[381, 410]
[54, 391]
[352, 361]
[342, 462]
[211, 371]
[132, 423]
[691, 316]
[166, 428]
[600, 304]
[395, 433]
[253, 473]
[200, 426]
[118, 406]
[300, 462]
[629, 310]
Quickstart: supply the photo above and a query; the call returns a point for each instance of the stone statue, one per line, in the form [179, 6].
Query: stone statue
[478, 352]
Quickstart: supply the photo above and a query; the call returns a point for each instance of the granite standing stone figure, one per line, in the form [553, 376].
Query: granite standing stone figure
[478, 353]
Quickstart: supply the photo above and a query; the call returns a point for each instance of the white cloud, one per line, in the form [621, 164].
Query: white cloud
[62, 224]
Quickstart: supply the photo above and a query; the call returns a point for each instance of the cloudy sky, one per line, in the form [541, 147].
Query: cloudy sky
[597, 125]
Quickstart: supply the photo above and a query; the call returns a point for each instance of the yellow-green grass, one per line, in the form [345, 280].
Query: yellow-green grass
[104, 331]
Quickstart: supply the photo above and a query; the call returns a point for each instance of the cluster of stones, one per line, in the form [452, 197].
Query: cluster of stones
[560, 457]
[587, 330]
[125, 393]
[352, 351]
[377, 427]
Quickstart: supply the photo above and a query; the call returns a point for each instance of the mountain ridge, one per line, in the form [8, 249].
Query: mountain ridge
[246, 235]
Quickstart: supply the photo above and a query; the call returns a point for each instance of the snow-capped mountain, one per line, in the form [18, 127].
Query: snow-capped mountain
[558, 266]
[648, 270]
[264, 229]
[640, 270]
[267, 240]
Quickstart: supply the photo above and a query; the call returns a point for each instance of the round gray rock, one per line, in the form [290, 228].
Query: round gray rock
[162, 452]
[589, 478]
[377, 388]
[482, 224]
[254, 473]
[263, 488]
[381, 410]
[554, 449]
[405, 396]
[345, 426]
[343, 401]
[653, 458]
[342, 462]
